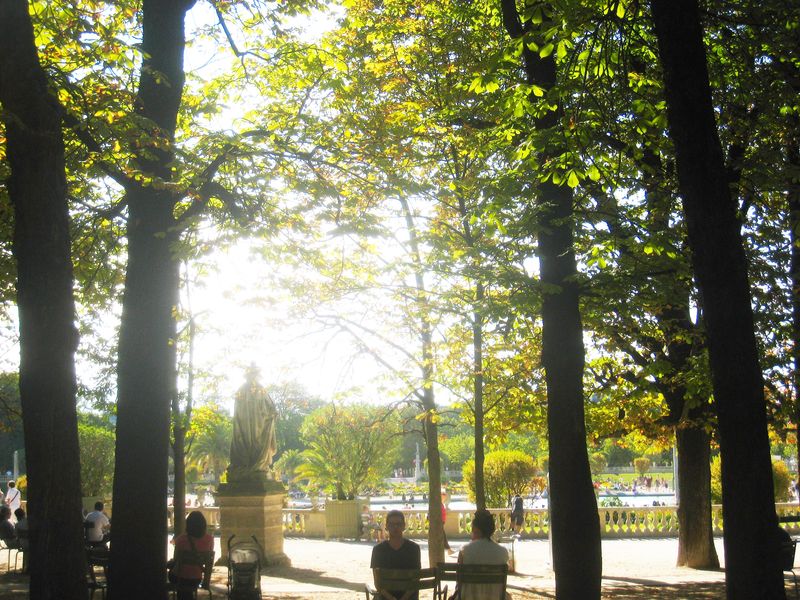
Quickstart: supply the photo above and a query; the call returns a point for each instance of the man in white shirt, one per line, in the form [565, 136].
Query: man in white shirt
[100, 525]
[482, 550]
[13, 499]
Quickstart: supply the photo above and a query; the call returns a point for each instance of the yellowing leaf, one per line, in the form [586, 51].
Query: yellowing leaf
[572, 179]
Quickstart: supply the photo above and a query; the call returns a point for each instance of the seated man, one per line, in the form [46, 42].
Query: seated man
[97, 534]
[396, 553]
[22, 536]
[482, 550]
[7, 531]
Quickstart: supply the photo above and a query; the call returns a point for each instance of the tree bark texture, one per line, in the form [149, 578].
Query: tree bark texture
[577, 559]
[695, 532]
[751, 550]
[575, 529]
[48, 338]
[147, 359]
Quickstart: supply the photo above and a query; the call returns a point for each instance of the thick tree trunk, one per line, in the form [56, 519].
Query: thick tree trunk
[575, 528]
[147, 358]
[146, 382]
[48, 338]
[695, 532]
[751, 549]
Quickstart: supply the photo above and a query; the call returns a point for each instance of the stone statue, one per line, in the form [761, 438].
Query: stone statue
[254, 442]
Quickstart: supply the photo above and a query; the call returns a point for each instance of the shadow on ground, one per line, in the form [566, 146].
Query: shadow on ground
[311, 577]
[640, 589]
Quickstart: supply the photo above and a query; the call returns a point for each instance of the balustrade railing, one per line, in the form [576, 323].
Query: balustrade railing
[617, 521]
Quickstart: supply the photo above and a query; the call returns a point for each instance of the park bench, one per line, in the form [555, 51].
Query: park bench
[402, 579]
[508, 539]
[479, 575]
[438, 580]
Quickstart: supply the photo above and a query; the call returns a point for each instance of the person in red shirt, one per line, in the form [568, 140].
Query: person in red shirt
[188, 577]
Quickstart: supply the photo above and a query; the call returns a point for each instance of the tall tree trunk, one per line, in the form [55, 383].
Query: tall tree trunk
[751, 548]
[477, 400]
[695, 530]
[477, 384]
[179, 480]
[147, 360]
[431, 430]
[793, 201]
[48, 338]
[181, 421]
[477, 357]
[577, 558]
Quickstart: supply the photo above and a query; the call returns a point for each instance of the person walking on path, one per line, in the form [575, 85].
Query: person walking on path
[447, 547]
[396, 553]
[517, 513]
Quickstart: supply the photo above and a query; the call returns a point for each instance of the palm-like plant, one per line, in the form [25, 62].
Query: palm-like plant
[288, 462]
[211, 448]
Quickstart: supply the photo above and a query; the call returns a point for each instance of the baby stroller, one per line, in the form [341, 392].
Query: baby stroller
[244, 569]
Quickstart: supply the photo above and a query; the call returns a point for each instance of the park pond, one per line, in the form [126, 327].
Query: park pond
[460, 503]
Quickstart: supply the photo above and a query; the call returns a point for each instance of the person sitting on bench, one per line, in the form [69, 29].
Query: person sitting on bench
[482, 550]
[396, 553]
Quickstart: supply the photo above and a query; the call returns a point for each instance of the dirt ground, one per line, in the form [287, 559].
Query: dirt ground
[337, 570]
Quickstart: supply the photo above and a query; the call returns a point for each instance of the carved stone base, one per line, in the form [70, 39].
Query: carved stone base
[255, 514]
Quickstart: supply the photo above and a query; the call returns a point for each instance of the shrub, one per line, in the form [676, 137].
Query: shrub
[781, 480]
[505, 472]
[642, 464]
[716, 479]
[597, 462]
[97, 459]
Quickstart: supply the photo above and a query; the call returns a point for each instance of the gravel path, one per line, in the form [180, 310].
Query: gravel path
[336, 570]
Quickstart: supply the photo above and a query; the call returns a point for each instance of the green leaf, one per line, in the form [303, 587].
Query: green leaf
[572, 179]
[546, 50]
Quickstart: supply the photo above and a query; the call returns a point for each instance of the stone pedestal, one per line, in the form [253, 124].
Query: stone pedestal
[246, 511]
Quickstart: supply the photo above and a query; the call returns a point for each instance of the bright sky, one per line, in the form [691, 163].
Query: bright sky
[239, 322]
[242, 323]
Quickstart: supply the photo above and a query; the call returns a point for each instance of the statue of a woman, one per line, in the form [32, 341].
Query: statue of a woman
[254, 442]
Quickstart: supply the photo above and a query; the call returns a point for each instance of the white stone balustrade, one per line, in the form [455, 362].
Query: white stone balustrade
[615, 522]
